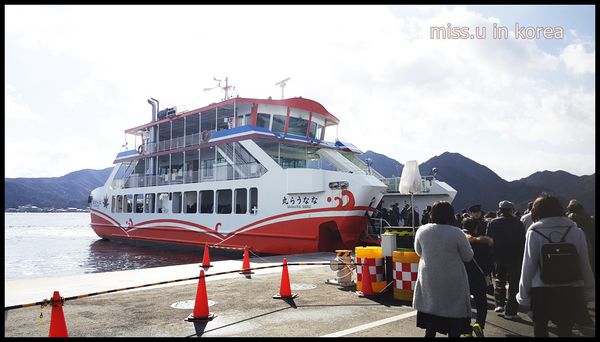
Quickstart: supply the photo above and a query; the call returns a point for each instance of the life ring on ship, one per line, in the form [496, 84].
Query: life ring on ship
[140, 149]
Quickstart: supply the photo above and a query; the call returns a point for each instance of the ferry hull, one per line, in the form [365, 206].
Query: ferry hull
[300, 235]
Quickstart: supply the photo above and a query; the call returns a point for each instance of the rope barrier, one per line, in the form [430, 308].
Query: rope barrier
[46, 301]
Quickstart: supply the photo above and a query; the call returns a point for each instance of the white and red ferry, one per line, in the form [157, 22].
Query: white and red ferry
[241, 172]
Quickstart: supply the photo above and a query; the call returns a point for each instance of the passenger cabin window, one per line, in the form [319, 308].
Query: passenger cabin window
[149, 205]
[207, 201]
[176, 201]
[190, 199]
[241, 200]
[162, 204]
[278, 123]
[119, 204]
[139, 203]
[313, 130]
[129, 203]
[253, 201]
[224, 201]
[113, 203]
[263, 120]
[297, 126]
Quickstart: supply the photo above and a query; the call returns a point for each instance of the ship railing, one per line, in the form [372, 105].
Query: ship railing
[178, 142]
[377, 224]
[215, 173]
[192, 139]
[393, 183]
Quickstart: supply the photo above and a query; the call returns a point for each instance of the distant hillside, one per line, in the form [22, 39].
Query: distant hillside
[70, 190]
[386, 166]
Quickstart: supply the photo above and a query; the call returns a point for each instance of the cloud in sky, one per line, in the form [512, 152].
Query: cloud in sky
[88, 70]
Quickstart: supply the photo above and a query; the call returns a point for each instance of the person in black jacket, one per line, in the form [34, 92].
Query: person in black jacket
[478, 269]
[476, 213]
[508, 234]
[425, 216]
[395, 215]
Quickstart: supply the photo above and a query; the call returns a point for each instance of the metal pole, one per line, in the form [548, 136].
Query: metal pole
[412, 214]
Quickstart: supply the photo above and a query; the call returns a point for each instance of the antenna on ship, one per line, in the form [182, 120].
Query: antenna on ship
[225, 88]
[282, 85]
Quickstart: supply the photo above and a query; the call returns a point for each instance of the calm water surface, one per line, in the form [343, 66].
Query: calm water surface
[59, 244]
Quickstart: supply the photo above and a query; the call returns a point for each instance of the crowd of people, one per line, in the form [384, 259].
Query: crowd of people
[393, 216]
[545, 256]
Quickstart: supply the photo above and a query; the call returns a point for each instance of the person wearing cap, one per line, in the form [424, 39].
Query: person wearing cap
[477, 214]
[508, 234]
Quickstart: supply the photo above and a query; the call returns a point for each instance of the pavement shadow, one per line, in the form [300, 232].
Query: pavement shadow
[201, 326]
[290, 302]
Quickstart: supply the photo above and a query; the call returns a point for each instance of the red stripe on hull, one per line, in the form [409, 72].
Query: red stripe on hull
[307, 235]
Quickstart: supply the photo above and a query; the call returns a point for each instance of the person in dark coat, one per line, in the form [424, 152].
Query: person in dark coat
[408, 217]
[578, 214]
[508, 234]
[385, 215]
[425, 218]
[476, 213]
[395, 215]
[477, 270]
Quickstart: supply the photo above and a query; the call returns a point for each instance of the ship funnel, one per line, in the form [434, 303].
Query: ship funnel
[154, 109]
[157, 106]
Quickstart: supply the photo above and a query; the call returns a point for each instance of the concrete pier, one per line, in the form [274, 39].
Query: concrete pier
[244, 307]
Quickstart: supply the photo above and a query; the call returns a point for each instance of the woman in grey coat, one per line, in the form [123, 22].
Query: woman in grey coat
[442, 295]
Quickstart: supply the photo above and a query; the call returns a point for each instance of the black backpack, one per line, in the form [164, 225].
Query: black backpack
[560, 261]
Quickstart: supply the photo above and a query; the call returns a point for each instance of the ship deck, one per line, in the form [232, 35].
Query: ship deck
[244, 307]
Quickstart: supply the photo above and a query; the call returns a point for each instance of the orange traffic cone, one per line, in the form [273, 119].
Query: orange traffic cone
[206, 258]
[201, 313]
[365, 284]
[285, 291]
[246, 264]
[58, 326]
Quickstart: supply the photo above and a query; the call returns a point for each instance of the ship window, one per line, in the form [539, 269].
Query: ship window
[139, 203]
[243, 120]
[163, 169]
[208, 120]
[177, 168]
[313, 130]
[293, 156]
[253, 201]
[225, 117]
[297, 126]
[129, 203]
[241, 199]
[319, 132]
[149, 207]
[119, 204]
[224, 201]
[263, 120]
[278, 123]
[176, 202]
[190, 166]
[162, 204]
[207, 163]
[122, 169]
[113, 204]
[190, 202]
[207, 201]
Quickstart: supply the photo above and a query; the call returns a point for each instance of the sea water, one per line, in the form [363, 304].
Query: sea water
[60, 244]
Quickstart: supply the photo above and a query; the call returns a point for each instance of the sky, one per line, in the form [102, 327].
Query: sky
[77, 76]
